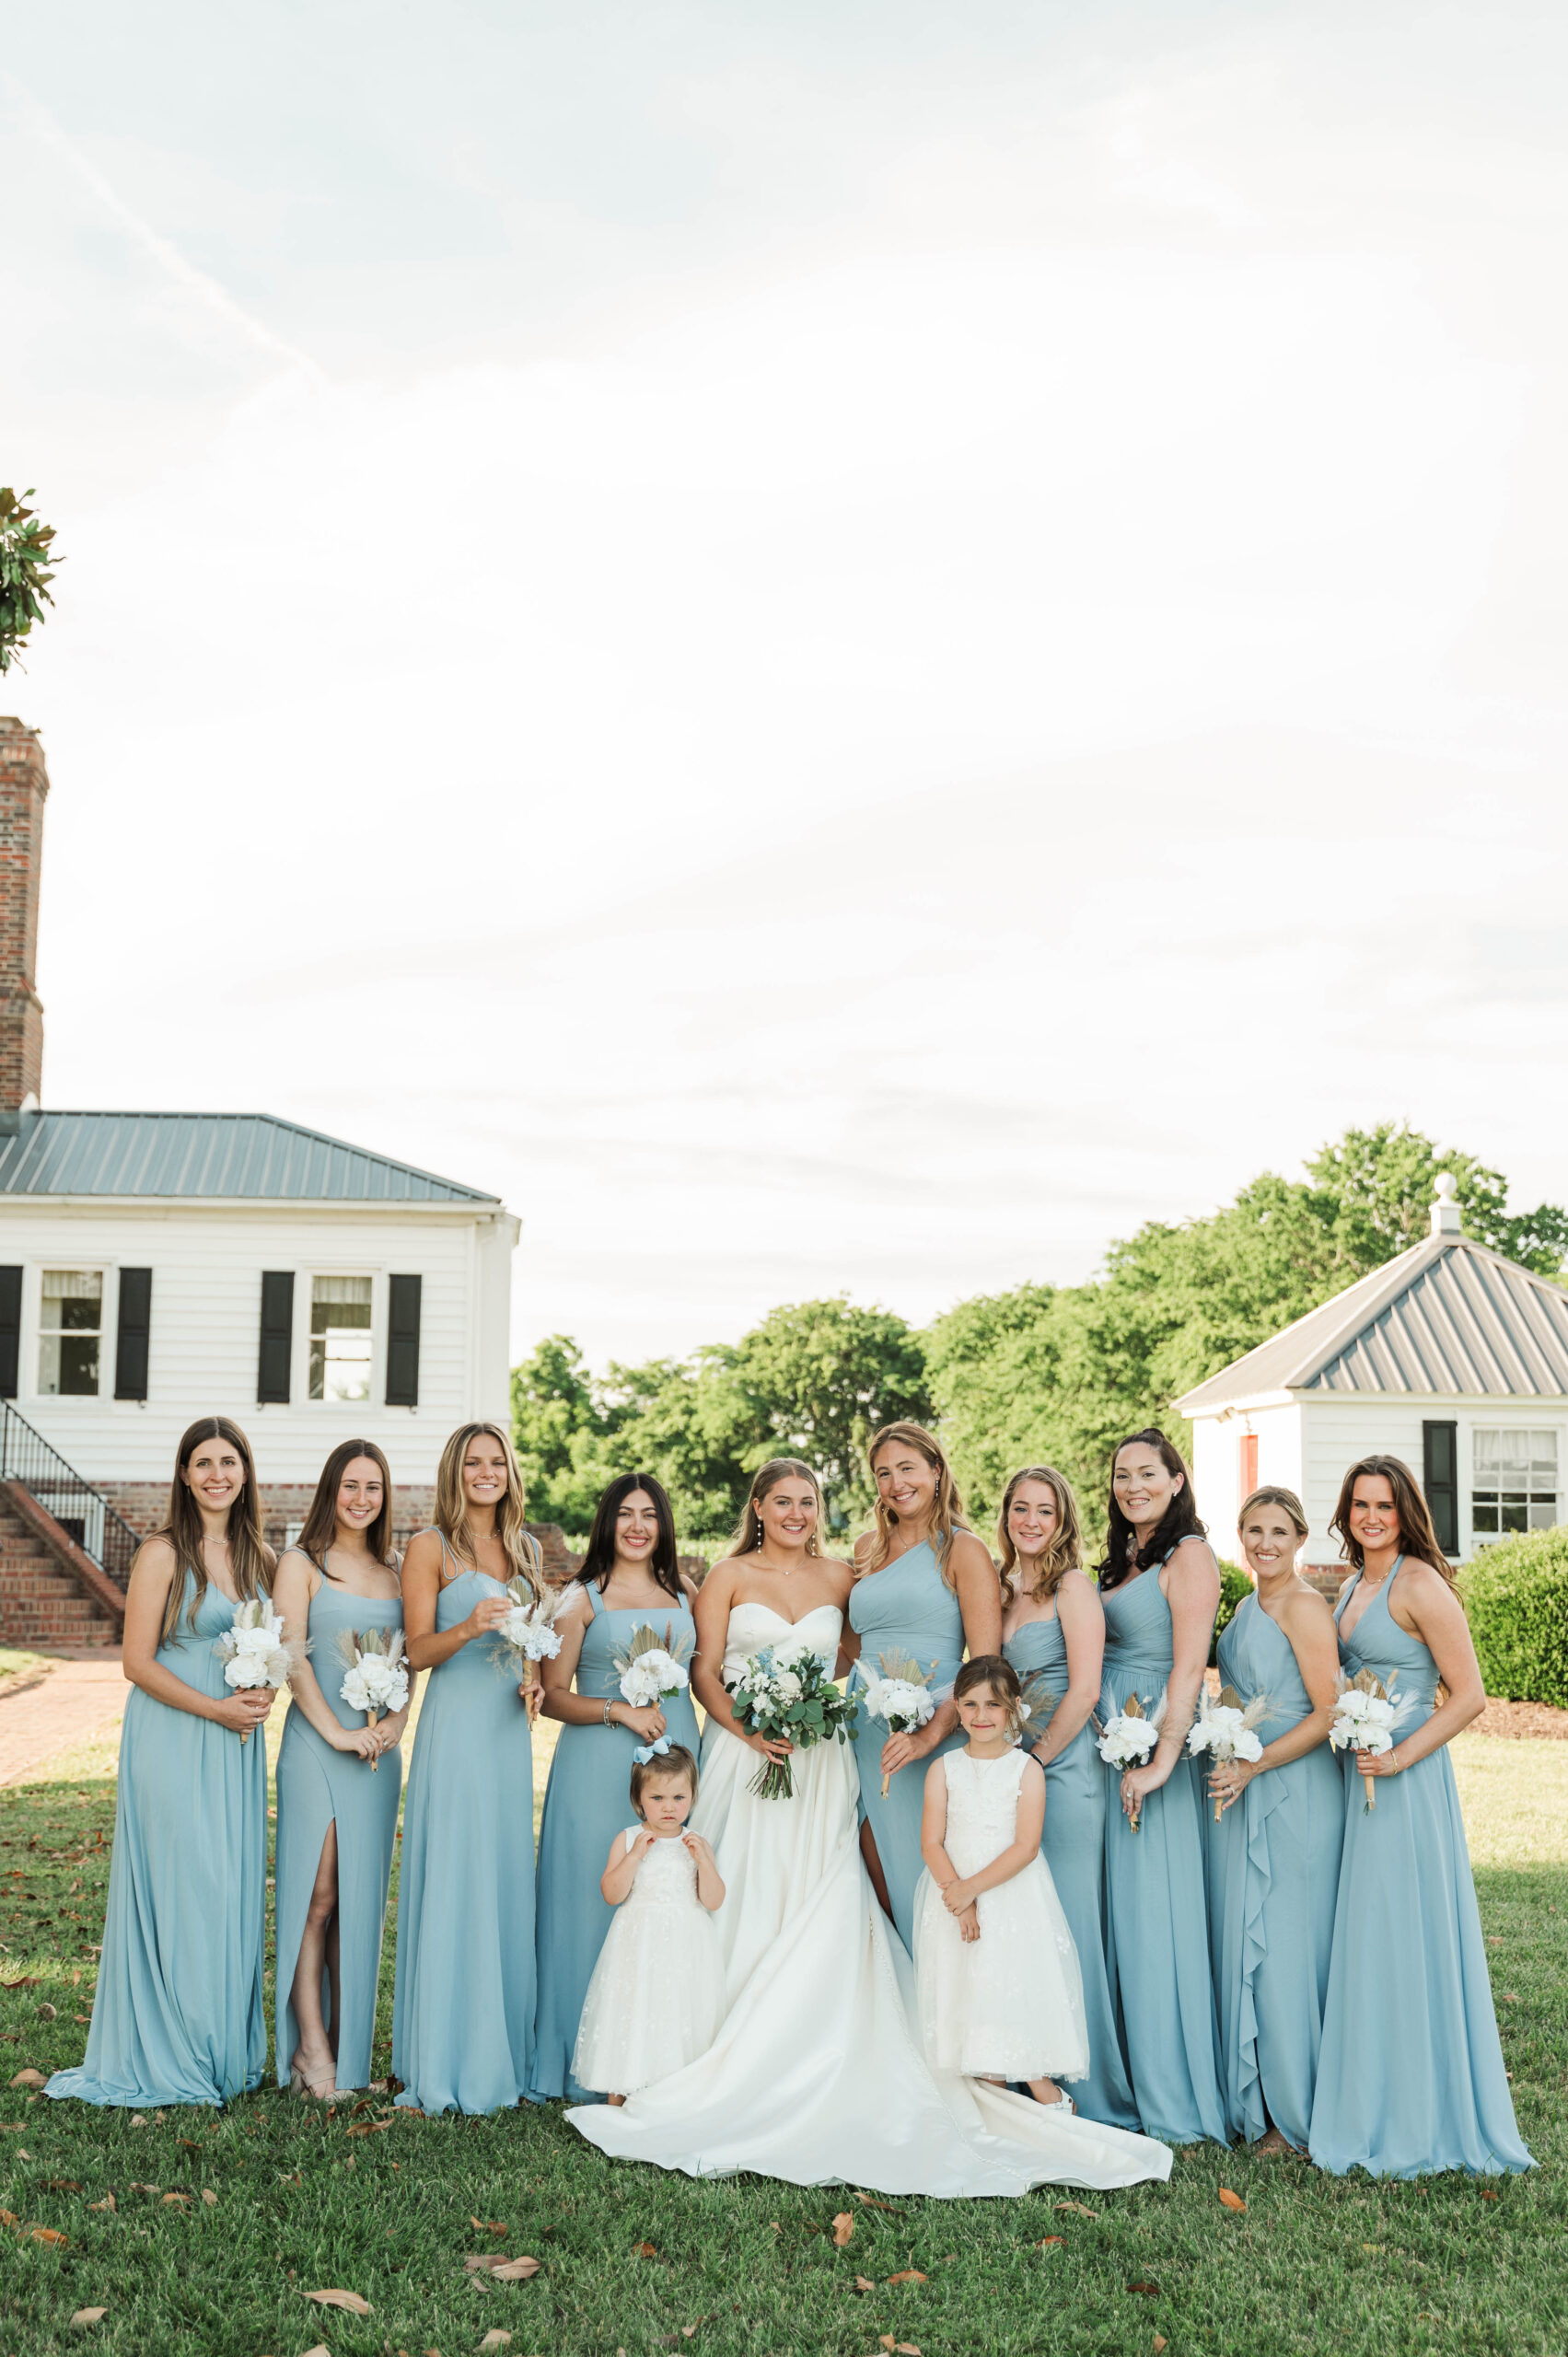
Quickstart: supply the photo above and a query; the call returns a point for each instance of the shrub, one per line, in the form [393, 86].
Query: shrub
[1234, 1586]
[1516, 1596]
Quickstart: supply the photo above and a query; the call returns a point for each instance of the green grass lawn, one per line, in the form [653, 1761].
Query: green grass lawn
[390, 2208]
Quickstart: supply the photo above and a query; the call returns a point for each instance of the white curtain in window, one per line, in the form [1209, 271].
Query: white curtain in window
[1515, 1455]
[73, 1285]
[340, 1292]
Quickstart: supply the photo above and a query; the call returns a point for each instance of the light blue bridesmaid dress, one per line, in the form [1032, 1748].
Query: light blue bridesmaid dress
[179, 2017]
[907, 1609]
[1410, 2078]
[587, 1805]
[462, 2014]
[1073, 1843]
[1274, 1871]
[1156, 1915]
[317, 1786]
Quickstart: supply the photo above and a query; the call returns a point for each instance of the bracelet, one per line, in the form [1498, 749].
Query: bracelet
[607, 1720]
[1394, 1763]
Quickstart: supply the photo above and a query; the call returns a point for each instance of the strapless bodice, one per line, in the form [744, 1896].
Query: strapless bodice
[757, 1628]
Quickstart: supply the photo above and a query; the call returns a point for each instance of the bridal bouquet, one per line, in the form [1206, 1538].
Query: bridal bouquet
[1129, 1737]
[526, 1636]
[1365, 1718]
[252, 1649]
[1225, 1731]
[375, 1680]
[900, 1698]
[785, 1694]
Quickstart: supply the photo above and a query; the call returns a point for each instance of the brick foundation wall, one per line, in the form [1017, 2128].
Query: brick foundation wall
[24, 785]
[285, 1503]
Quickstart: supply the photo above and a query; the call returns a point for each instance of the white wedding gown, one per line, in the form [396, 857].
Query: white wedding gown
[817, 2074]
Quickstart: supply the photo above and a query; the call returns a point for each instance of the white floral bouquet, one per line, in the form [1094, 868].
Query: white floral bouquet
[785, 1694]
[1129, 1735]
[375, 1680]
[1365, 1718]
[253, 1651]
[1225, 1731]
[902, 1698]
[653, 1669]
[526, 1636]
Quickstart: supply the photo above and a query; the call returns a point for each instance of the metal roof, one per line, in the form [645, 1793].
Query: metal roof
[206, 1158]
[1447, 1318]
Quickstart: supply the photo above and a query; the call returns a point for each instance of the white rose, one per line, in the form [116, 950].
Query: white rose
[355, 1690]
[787, 1686]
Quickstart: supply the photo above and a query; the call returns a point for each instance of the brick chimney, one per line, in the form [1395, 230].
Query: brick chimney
[24, 784]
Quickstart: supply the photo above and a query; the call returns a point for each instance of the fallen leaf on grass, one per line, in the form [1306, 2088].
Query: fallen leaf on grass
[137, 2120]
[28, 2079]
[189, 2143]
[1047, 2240]
[375, 2128]
[515, 2271]
[209, 2197]
[1232, 2201]
[62, 2185]
[48, 2013]
[109, 2202]
[480, 2225]
[907, 2275]
[8, 2218]
[181, 2201]
[872, 2203]
[1489, 2197]
[349, 2300]
[1160, 2343]
[1149, 2290]
[47, 2235]
[843, 2226]
[134, 2188]
[1077, 2209]
[89, 2316]
[496, 2338]
[902, 2347]
[81, 2018]
[645, 2250]
[863, 2283]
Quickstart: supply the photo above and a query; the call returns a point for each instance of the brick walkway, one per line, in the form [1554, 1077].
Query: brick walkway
[81, 1697]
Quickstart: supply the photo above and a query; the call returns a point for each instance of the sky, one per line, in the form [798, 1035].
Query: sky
[841, 648]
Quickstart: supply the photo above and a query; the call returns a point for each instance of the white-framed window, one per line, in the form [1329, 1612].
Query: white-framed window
[341, 1340]
[1514, 1480]
[70, 1333]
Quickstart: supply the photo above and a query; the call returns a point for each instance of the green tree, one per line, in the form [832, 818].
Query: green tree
[815, 1380]
[558, 1418]
[25, 574]
[1383, 1181]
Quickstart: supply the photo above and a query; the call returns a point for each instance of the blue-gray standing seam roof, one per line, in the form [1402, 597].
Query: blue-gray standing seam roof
[206, 1158]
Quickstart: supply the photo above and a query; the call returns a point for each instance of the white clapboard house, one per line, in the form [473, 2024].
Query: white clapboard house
[158, 1266]
[1449, 1356]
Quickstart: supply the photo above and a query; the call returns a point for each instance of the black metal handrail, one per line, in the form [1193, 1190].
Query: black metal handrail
[82, 1512]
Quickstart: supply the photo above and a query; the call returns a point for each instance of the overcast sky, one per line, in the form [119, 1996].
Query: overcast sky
[838, 644]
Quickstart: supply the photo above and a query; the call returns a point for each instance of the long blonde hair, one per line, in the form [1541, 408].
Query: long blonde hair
[519, 1544]
[185, 1529]
[946, 1510]
[746, 1536]
[1062, 1555]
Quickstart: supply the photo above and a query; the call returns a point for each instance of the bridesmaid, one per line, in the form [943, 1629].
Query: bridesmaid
[1273, 1861]
[1410, 2078]
[924, 1589]
[629, 1580]
[179, 2017]
[462, 2015]
[1054, 1634]
[1160, 1588]
[336, 1820]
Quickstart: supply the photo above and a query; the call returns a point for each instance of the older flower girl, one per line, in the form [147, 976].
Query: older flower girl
[656, 1997]
[1001, 1993]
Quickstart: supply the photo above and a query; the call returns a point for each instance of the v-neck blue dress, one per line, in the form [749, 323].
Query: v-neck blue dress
[586, 1804]
[1156, 1910]
[1273, 1872]
[1412, 2077]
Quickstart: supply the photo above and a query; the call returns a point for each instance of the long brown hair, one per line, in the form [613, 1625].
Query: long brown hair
[599, 1560]
[746, 1536]
[1062, 1555]
[185, 1529]
[946, 1510]
[1179, 1521]
[1417, 1537]
[517, 1543]
[321, 1522]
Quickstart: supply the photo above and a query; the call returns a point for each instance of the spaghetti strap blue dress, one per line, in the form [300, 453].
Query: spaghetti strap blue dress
[906, 1610]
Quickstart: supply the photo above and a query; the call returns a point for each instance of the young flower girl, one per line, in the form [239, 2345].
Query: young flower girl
[656, 1997]
[1001, 1993]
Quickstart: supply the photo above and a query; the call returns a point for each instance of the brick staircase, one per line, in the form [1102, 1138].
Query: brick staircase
[45, 1597]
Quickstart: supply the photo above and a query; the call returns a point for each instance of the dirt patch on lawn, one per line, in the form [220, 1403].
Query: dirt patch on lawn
[1520, 1721]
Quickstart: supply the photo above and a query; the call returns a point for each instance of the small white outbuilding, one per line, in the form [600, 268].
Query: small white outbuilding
[1449, 1356]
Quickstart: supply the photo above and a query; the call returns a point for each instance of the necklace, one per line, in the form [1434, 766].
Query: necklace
[785, 1571]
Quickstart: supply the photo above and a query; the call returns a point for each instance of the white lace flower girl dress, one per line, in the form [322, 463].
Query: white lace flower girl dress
[1010, 2005]
[656, 1997]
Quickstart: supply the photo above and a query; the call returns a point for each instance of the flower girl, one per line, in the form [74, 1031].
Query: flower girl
[656, 1997]
[1001, 1993]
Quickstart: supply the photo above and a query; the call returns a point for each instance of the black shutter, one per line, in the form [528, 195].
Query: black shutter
[1440, 1480]
[131, 1340]
[277, 1337]
[10, 1329]
[402, 1341]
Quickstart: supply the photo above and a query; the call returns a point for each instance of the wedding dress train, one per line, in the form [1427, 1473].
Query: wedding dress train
[818, 2075]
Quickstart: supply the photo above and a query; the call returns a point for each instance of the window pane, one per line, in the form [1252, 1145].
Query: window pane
[339, 1301]
[1543, 1514]
[1514, 1513]
[1484, 1515]
[1509, 1451]
[70, 1314]
[340, 1338]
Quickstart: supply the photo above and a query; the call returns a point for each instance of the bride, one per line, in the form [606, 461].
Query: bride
[818, 2075]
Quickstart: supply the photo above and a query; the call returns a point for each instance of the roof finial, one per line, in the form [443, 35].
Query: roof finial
[1446, 1218]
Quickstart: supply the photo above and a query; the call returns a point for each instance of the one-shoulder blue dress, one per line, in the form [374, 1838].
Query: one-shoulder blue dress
[462, 2014]
[179, 2017]
[1156, 1912]
[1273, 1872]
[1412, 2077]
[1073, 1843]
[905, 1610]
[586, 1804]
[318, 1787]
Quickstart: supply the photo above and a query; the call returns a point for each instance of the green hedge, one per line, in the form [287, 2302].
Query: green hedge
[1516, 1596]
[1235, 1587]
